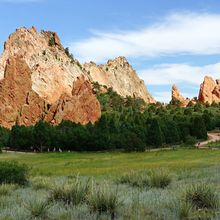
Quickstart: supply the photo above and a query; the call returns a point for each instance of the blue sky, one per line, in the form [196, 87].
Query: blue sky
[167, 41]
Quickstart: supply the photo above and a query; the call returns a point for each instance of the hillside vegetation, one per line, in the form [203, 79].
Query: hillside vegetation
[126, 123]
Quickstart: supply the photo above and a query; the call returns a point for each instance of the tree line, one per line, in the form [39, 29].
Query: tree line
[126, 123]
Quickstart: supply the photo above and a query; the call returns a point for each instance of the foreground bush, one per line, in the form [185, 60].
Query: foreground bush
[72, 193]
[13, 173]
[104, 199]
[159, 179]
[202, 196]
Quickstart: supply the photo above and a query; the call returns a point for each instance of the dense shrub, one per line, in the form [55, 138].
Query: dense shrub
[202, 196]
[13, 173]
[190, 140]
[4, 136]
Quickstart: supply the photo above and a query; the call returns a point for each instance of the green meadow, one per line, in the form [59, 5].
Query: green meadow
[113, 163]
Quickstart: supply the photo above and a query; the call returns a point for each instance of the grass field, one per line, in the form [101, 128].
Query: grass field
[125, 186]
[113, 163]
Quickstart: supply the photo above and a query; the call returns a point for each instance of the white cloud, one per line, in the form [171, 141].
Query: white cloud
[183, 33]
[181, 74]
[167, 74]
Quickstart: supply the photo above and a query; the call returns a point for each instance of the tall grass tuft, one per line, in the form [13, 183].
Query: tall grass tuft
[159, 178]
[104, 199]
[37, 207]
[71, 193]
[185, 210]
[202, 196]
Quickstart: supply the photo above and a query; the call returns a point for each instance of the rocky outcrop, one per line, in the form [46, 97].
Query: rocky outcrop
[209, 91]
[54, 70]
[178, 98]
[81, 107]
[119, 75]
[18, 103]
[39, 79]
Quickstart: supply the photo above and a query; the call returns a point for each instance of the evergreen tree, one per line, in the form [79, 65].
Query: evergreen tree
[155, 134]
[42, 135]
[198, 128]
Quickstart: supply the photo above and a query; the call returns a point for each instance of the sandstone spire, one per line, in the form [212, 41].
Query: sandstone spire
[178, 98]
[209, 91]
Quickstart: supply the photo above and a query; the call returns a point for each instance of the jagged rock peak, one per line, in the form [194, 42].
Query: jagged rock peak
[119, 75]
[209, 90]
[53, 69]
[178, 98]
[121, 60]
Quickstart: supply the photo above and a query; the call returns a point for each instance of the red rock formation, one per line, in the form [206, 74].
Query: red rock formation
[16, 95]
[177, 97]
[20, 104]
[209, 91]
[82, 107]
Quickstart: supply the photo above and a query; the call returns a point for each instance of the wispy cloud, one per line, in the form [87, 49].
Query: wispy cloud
[183, 33]
[167, 74]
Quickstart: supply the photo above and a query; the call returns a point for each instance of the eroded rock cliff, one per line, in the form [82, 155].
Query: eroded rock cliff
[53, 70]
[39, 79]
[19, 104]
[209, 91]
[177, 98]
[119, 75]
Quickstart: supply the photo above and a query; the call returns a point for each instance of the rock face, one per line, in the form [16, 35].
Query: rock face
[39, 79]
[81, 107]
[177, 97]
[119, 75]
[53, 70]
[18, 102]
[209, 91]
